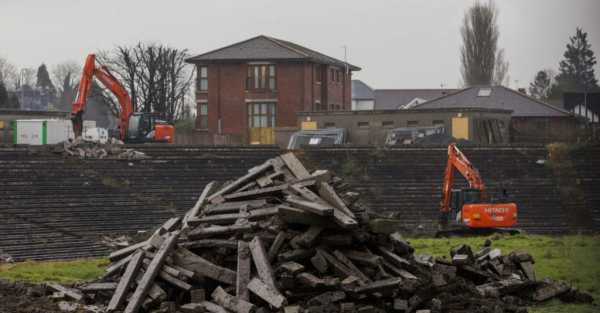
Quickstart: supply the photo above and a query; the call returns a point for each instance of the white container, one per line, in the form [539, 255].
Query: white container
[41, 132]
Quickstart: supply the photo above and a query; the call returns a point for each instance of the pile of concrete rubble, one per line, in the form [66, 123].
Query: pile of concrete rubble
[283, 239]
[113, 148]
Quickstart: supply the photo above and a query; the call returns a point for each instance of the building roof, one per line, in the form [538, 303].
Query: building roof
[393, 99]
[265, 48]
[361, 91]
[495, 97]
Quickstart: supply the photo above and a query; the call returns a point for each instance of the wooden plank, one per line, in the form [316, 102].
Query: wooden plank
[307, 238]
[170, 224]
[379, 285]
[166, 268]
[174, 281]
[212, 307]
[193, 212]
[202, 267]
[126, 280]
[312, 207]
[235, 304]
[244, 268]
[261, 262]
[337, 265]
[148, 279]
[93, 287]
[295, 165]
[343, 220]
[328, 194]
[155, 292]
[256, 193]
[116, 267]
[225, 219]
[240, 181]
[363, 257]
[220, 230]
[276, 245]
[234, 206]
[267, 293]
[209, 243]
[348, 263]
[116, 255]
[293, 215]
[71, 293]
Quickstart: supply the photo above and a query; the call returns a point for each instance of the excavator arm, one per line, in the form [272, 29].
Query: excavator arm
[457, 160]
[111, 83]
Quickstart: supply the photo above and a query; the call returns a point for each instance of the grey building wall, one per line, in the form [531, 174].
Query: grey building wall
[371, 127]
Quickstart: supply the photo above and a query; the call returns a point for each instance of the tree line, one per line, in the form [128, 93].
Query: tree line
[483, 62]
[156, 76]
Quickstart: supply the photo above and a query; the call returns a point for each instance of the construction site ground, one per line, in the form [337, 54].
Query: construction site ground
[57, 207]
[573, 258]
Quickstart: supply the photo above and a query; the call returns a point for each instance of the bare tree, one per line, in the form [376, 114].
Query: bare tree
[26, 78]
[8, 74]
[66, 77]
[481, 61]
[156, 76]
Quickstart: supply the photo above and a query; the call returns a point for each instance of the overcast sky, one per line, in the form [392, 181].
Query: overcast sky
[398, 44]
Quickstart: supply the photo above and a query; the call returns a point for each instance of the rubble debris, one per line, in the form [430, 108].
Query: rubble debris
[83, 149]
[282, 239]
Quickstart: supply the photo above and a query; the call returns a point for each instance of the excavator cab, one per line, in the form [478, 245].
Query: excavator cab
[147, 127]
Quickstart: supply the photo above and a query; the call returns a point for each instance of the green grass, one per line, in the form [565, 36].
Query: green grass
[575, 259]
[64, 272]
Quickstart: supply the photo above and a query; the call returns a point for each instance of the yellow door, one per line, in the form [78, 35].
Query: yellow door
[460, 127]
[261, 122]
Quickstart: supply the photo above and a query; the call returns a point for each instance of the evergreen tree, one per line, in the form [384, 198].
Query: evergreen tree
[576, 71]
[541, 85]
[482, 62]
[43, 80]
[3, 96]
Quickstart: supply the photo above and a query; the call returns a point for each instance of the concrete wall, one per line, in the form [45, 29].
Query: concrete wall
[43, 219]
[371, 127]
[543, 129]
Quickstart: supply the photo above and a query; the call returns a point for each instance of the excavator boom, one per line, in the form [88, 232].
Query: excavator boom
[111, 83]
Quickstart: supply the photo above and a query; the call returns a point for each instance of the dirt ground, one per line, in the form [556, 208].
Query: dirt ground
[24, 298]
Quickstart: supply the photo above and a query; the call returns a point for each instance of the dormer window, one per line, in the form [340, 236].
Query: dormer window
[484, 92]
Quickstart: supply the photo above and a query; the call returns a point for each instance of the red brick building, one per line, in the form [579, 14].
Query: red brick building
[248, 90]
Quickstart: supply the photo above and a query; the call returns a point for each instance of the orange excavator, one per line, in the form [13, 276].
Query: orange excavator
[138, 127]
[471, 208]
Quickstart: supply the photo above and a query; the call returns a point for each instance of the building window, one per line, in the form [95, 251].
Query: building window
[202, 80]
[262, 76]
[318, 73]
[202, 115]
[329, 124]
[320, 106]
[261, 115]
[363, 124]
[332, 74]
[412, 123]
[438, 122]
[387, 124]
